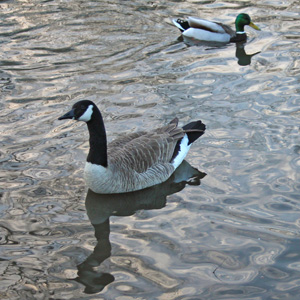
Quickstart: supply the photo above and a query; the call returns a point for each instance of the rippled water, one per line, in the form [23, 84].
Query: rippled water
[234, 236]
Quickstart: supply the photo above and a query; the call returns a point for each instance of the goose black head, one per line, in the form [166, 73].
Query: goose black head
[81, 111]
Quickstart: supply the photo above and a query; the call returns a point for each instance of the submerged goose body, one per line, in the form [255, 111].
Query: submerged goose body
[134, 161]
[204, 30]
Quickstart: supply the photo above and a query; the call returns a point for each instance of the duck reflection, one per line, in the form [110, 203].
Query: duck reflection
[100, 207]
[193, 42]
[244, 59]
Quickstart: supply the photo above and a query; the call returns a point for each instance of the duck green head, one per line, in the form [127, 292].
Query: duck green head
[242, 20]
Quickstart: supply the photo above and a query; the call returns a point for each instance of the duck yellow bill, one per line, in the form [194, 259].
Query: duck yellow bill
[254, 26]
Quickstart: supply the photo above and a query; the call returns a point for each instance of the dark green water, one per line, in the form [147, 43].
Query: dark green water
[234, 236]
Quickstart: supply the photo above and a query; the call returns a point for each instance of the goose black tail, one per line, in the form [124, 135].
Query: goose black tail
[194, 130]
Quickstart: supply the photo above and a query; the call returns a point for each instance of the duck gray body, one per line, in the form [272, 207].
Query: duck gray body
[134, 161]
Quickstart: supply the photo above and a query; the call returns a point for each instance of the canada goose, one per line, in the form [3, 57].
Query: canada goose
[134, 161]
[204, 30]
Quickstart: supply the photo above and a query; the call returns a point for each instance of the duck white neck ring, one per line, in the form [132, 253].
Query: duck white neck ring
[240, 32]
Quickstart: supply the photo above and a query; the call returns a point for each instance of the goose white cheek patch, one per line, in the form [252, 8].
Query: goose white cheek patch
[87, 114]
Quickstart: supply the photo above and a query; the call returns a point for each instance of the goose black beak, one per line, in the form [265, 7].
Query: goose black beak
[68, 115]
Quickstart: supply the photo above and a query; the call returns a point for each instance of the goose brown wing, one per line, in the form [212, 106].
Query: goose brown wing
[141, 151]
[122, 140]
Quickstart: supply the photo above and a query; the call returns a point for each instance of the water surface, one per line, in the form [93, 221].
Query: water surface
[234, 236]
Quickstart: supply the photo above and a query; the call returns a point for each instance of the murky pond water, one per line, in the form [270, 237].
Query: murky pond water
[231, 234]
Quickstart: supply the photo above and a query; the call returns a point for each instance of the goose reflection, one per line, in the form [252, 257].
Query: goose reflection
[100, 207]
[244, 59]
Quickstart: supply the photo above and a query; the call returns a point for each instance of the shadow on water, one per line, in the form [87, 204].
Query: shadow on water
[100, 207]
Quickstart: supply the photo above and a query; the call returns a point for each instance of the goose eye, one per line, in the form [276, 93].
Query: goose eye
[82, 107]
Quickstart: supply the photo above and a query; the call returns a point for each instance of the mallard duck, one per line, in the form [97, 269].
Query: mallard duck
[134, 161]
[208, 31]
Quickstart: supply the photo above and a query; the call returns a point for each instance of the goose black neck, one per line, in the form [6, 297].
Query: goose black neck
[98, 144]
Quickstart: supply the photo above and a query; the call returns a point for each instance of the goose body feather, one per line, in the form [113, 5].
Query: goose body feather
[136, 161]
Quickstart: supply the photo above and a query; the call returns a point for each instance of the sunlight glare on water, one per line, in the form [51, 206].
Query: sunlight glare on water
[231, 234]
